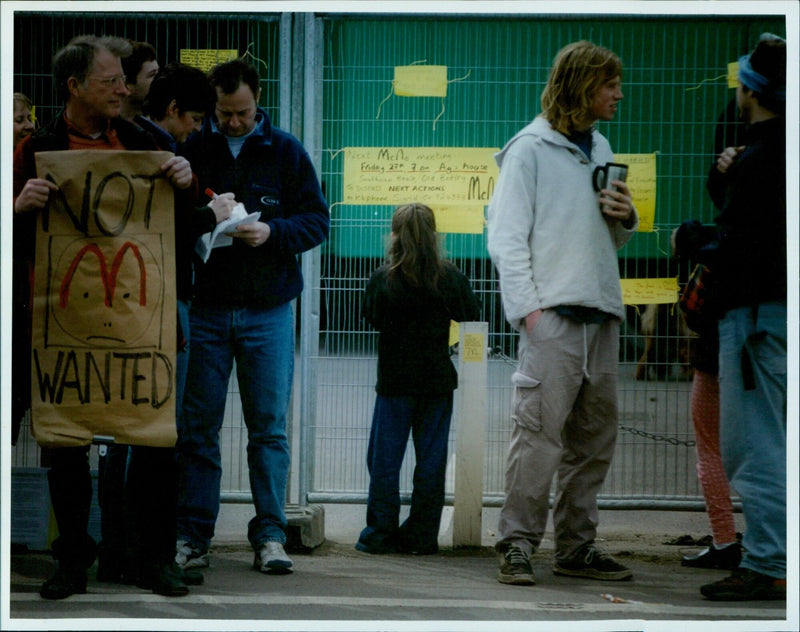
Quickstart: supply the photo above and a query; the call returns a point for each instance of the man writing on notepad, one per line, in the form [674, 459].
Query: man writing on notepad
[242, 311]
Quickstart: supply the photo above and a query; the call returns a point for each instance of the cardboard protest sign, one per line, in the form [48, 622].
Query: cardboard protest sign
[104, 320]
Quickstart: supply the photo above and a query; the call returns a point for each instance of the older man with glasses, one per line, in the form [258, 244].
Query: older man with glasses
[88, 76]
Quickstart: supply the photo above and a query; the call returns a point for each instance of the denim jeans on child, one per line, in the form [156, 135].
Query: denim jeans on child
[428, 421]
[261, 342]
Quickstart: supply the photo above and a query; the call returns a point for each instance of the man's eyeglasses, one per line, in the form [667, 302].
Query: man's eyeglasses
[111, 82]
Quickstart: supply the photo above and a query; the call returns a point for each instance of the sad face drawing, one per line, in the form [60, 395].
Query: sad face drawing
[105, 292]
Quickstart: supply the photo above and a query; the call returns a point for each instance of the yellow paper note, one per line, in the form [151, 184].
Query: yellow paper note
[459, 219]
[473, 347]
[420, 81]
[454, 333]
[206, 58]
[733, 74]
[649, 291]
[436, 176]
[642, 183]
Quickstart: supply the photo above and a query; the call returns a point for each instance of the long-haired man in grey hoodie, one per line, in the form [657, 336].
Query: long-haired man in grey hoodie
[554, 241]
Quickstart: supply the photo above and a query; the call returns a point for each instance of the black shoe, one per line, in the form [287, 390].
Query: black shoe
[117, 573]
[593, 563]
[419, 549]
[727, 558]
[381, 545]
[746, 585]
[415, 546]
[515, 568]
[192, 578]
[166, 579]
[108, 573]
[68, 580]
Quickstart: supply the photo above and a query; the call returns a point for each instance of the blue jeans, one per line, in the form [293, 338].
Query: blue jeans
[428, 421]
[182, 358]
[262, 343]
[752, 389]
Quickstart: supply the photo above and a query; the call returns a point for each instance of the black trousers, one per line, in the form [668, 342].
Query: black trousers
[149, 498]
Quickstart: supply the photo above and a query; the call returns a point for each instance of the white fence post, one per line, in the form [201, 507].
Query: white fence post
[470, 431]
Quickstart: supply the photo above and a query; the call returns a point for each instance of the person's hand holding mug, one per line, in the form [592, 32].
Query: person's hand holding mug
[615, 196]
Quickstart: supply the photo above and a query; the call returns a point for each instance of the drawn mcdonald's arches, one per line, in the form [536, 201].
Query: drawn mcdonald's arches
[104, 318]
[116, 280]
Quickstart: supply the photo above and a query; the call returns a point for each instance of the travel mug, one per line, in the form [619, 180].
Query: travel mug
[607, 173]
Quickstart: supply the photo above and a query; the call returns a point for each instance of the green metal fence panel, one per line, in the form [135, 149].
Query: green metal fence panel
[675, 85]
[674, 82]
[675, 89]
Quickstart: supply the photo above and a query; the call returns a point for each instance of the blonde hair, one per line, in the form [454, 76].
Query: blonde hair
[578, 71]
[24, 99]
[414, 252]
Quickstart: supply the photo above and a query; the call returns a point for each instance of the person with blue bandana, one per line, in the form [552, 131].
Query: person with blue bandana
[748, 184]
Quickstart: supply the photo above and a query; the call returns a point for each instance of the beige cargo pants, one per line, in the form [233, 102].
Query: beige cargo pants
[565, 424]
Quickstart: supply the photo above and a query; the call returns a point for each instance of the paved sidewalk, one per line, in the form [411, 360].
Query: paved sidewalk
[335, 587]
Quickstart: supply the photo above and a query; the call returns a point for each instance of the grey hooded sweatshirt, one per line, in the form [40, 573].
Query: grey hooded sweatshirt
[547, 236]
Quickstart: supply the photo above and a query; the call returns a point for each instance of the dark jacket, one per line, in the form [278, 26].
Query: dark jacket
[53, 137]
[750, 261]
[190, 221]
[695, 243]
[272, 174]
[414, 326]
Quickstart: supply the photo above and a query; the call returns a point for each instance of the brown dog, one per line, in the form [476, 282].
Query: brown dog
[667, 340]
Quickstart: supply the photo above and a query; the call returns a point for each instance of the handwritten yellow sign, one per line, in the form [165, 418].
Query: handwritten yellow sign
[473, 347]
[420, 81]
[436, 176]
[733, 74]
[206, 58]
[642, 183]
[459, 219]
[649, 291]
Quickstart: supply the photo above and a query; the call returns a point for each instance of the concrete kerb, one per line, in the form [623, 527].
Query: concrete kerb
[644, 534]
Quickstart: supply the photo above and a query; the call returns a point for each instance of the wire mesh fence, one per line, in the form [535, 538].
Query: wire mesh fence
[675, 82]
[675, 90]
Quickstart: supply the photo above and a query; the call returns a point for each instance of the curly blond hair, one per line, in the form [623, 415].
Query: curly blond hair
[578, 71]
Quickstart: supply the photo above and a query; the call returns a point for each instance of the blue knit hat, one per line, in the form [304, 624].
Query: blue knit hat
[764, 70]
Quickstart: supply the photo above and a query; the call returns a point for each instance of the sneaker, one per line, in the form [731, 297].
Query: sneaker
[593, 563]
[745, 585]
[727, 558]
[67, 580]
[515, 568]
[188, 556]
[272, 559]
